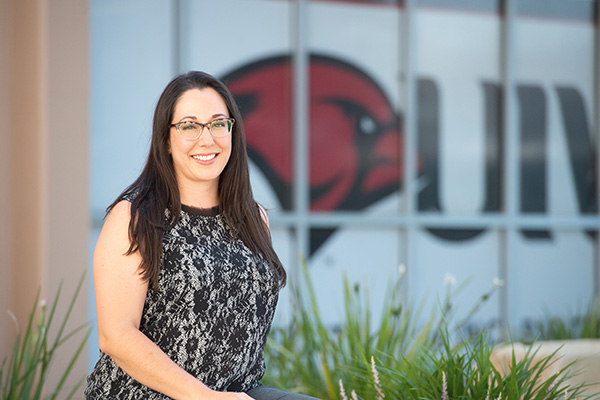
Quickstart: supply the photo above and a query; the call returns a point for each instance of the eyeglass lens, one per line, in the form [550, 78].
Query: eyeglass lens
[190, 130]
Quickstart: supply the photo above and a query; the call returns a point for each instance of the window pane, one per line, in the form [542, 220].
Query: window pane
[552, 276]
[285, 247]
[254, 60]
[555, 76]
[457, 60]
[368, 258]
[444, 263]
[581, 10]
[123, 92]
[462, 5]
[355, 118]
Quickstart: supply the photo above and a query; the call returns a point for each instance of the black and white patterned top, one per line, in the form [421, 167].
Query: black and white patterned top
[211, 314]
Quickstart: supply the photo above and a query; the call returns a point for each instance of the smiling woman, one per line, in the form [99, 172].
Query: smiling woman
[185, 275]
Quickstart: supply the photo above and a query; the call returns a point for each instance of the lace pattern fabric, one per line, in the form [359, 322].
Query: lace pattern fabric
[211, 315]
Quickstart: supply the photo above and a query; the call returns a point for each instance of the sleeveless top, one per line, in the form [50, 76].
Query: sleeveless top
[211, 315]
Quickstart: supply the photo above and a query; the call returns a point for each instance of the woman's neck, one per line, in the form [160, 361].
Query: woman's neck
[205, 196]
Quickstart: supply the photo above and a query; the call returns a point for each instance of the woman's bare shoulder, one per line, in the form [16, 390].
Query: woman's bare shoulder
[115, 232]
[119, 213]
[263, 213]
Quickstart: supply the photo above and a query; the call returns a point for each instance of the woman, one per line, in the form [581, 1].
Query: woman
[186, 278]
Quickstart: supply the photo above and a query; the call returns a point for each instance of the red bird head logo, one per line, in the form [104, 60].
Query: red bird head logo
[355, 139]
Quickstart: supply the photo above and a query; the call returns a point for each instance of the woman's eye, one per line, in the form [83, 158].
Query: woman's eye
[188, 127]
[218, 124]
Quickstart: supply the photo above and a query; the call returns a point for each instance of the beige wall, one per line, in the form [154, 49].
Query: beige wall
[44, 158]
[5, 143]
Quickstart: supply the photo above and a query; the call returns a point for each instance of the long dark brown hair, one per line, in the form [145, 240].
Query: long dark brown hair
[156, 190]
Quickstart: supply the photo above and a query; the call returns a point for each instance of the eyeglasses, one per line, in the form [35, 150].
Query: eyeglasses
[191, 130]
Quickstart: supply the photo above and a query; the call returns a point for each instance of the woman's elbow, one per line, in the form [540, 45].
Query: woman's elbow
[112, 342]
[104, 343]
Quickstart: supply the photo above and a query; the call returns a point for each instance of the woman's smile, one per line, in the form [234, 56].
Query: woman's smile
[205, 158]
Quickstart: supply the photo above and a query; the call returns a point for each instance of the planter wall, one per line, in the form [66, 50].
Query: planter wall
[583, 353]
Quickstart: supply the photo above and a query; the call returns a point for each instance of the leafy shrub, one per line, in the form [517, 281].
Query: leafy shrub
[23, 373]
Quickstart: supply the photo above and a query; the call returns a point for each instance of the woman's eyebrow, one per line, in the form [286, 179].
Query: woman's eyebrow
[195, 118]
[188, 116]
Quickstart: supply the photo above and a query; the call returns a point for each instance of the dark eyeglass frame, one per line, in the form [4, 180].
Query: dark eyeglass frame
[208, 125]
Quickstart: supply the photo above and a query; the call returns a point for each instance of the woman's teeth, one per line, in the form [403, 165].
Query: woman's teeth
[204, 158]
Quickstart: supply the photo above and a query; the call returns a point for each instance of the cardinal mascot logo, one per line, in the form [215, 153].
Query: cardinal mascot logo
[355, 139]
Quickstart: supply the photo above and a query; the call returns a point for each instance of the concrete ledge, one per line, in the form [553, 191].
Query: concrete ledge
[583, 353]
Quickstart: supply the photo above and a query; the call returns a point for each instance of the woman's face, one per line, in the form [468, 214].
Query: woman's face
[200, 161]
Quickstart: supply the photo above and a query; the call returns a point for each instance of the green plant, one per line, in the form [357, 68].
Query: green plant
[309, 357]
[584, 325]
[464, 370]
[399, 358]
[23, 373]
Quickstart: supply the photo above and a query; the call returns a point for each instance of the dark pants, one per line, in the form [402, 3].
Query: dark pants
[271, 393]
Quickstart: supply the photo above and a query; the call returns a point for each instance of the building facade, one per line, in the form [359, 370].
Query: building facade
[457, 139]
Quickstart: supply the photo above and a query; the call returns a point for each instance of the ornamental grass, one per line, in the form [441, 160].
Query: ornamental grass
[400, 358]
[24, 372]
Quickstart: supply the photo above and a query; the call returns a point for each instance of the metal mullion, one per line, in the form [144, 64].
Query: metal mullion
[434, 220]
[596, 69]
[301, 117]
[410, 135]
[510, 177]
